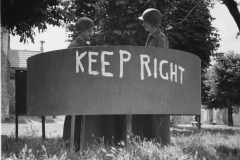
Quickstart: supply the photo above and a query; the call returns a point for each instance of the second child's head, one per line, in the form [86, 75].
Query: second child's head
[84, 27]
[151, 19]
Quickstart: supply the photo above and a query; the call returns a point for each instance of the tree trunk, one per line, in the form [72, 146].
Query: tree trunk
[230, 111]
[233, 9]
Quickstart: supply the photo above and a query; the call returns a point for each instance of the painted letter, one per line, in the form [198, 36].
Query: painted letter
[181, 75]
[78, 61]
[121, 52]
[90, 61]
[155, 68]
[104, 63]
[172, 73]
[161, 69]
[146, 65]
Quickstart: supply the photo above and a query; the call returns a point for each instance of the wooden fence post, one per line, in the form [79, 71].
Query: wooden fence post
[72, 132]
[82, 132]
[129, 130]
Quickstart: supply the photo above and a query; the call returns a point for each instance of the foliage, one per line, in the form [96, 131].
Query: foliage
[186, 23]
[20, 17]
[222, 82]
[191, 28]
[173, 121]
[186, 144]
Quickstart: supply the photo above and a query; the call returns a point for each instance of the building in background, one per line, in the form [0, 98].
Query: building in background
[18, 61]
[211, 116]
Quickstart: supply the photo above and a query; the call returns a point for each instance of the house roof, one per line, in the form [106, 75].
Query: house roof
[18, 58]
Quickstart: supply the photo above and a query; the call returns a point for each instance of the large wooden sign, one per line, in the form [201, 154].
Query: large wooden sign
[113, 80]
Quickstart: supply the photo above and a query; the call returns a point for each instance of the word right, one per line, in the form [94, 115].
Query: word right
[172, 74]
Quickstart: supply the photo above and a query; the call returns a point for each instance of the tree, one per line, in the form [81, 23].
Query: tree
[221, 84]
[117, 23]
[187, 23]
[20, 17]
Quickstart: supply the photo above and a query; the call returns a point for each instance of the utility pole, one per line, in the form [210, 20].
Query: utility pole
[43, 117]
[41, 48]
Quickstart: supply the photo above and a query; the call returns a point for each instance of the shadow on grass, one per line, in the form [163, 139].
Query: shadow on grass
[227, 153]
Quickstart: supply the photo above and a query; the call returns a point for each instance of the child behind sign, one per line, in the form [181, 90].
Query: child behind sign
[153, 126]
[89, 128]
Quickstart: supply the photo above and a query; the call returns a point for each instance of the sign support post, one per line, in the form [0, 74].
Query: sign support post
[72, 133]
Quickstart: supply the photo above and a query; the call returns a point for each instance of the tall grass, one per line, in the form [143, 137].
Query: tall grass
[186, 144]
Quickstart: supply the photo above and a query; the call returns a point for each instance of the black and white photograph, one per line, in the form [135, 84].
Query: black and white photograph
[120, 79]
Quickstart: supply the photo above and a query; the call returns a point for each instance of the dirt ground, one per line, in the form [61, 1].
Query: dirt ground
[29, 126]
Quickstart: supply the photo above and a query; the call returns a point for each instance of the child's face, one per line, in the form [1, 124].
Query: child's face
[87, 35]
[148, 27]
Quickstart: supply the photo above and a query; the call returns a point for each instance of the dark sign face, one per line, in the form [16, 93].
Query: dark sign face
[113, 80]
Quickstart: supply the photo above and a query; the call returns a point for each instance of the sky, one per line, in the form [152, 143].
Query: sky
[55, 37]
[227, 27]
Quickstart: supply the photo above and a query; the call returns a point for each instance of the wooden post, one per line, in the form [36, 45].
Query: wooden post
[72, 132]
[82, 132]
[43, 127]
[199, 122]
[16, 125]
[129, 130]
[16, 111]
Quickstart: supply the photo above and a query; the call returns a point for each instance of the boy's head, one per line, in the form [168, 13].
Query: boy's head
[84, 27]
[151, 19]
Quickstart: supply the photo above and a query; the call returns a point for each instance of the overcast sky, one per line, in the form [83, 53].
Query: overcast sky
[55, 37]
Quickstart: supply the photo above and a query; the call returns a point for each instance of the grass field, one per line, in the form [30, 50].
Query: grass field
[187, 143]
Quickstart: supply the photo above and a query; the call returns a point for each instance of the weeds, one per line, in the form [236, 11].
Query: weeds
[186, 144]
